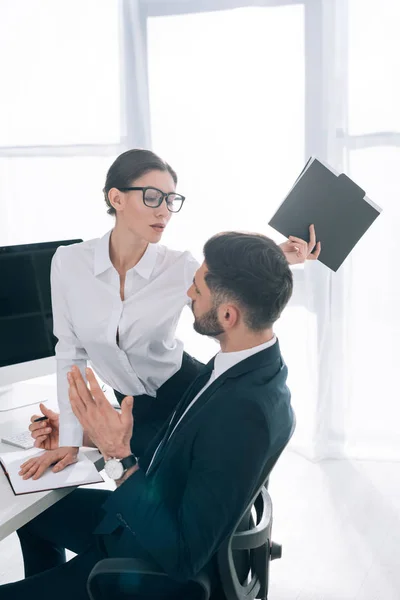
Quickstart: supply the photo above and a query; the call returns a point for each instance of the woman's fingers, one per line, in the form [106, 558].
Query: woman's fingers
[47, 412]
[39, 429]
[309, 249]
[42, 466]
[37, 466]
[315, 254]
[69, 459]
[300, 246]
[27, 464]
[34, 417]
[30, 467]
[40, 440]
[313, 239]
[298, 241]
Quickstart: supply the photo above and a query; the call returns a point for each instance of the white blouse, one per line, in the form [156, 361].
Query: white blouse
[88, 312]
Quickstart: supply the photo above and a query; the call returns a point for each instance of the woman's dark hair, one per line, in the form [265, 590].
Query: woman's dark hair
[131, 165]
[251, 270]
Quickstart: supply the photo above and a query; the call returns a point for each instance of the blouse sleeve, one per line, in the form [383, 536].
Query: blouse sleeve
[69, 351]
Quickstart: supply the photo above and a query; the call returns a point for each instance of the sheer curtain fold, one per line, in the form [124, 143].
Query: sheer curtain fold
[134, 83]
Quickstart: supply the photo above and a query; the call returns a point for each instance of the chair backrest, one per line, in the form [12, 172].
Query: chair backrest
[243, 559]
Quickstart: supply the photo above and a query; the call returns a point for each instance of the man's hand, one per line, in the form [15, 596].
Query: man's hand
[109, 429]
[60, 458]
[298, 251]
[46, 433]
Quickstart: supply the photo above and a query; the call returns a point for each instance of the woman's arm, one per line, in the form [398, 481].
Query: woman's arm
[69, 352]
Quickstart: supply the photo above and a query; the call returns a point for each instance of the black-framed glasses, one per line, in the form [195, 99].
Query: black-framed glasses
[153, 197]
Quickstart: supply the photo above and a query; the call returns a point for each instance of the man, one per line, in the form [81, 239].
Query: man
[198, 475]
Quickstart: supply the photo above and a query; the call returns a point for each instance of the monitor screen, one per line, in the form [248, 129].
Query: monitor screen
[26, 321]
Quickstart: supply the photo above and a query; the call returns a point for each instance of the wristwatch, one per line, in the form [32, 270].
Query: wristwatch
[117, 467]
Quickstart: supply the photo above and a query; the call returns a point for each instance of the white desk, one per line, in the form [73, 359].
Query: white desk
[15, 511]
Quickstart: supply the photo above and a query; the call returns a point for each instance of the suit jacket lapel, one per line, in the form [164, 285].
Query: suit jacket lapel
[265, 359]
[187, 397]
[200, 402]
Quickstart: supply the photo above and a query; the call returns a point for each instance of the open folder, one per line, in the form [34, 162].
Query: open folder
[337, 207]
[82, 472]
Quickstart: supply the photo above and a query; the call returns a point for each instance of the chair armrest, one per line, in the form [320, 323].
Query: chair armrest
[126, 565]
[138, 566]
[260, 533]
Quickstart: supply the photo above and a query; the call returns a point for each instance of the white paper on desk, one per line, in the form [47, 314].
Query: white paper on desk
[82, 472]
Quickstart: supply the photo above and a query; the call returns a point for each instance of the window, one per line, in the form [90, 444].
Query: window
[52, 198]
[60, 117]
[227, 112]
[374, 66]
[61, 85]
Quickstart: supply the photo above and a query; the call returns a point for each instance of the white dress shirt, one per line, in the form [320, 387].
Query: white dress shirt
[222, 362]
[88, 312]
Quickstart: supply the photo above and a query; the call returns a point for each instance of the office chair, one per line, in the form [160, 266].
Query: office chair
[242, 560]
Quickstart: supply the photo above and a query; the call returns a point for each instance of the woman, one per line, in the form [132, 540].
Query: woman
[117, 301]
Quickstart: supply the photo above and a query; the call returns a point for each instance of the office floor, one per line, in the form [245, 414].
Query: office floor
[339, 523]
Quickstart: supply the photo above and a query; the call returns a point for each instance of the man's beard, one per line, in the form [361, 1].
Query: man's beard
[208, 324]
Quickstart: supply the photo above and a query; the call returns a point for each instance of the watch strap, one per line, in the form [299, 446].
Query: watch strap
[129, 461]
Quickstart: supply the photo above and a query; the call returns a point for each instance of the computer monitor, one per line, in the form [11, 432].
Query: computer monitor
[27, 343]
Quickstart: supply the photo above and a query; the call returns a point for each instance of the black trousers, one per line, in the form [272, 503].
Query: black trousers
[69, 524]
[151, 413]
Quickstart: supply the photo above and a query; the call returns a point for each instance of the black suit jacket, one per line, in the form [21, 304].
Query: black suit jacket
[205, 475]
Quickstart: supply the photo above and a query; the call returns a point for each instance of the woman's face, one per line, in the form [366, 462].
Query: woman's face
[144, 222]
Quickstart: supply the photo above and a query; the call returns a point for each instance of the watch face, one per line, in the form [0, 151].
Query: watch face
[114, 468]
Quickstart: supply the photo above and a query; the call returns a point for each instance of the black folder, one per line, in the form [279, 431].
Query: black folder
[336, 206]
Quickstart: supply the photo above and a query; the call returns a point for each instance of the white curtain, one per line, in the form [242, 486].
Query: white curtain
[235, 95]
[372, 151]
[239, 99]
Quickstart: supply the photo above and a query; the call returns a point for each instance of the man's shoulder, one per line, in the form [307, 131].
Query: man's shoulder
[263, 371]
[263, 389]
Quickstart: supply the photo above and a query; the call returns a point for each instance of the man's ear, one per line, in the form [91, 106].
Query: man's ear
[229, 315]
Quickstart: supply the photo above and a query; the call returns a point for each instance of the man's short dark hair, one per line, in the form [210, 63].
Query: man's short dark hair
[252, 271]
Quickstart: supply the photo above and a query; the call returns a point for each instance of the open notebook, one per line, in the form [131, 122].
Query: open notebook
[82, 472]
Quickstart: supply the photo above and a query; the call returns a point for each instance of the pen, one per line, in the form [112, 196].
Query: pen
[39, 419]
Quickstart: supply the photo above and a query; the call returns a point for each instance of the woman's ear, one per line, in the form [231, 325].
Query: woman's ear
[116, 199]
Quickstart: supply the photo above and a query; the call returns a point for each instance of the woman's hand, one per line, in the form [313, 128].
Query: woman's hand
[60, 458]
[46, 433]
[297, 251]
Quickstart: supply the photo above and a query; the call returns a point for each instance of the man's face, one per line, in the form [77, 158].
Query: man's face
[206, 320]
